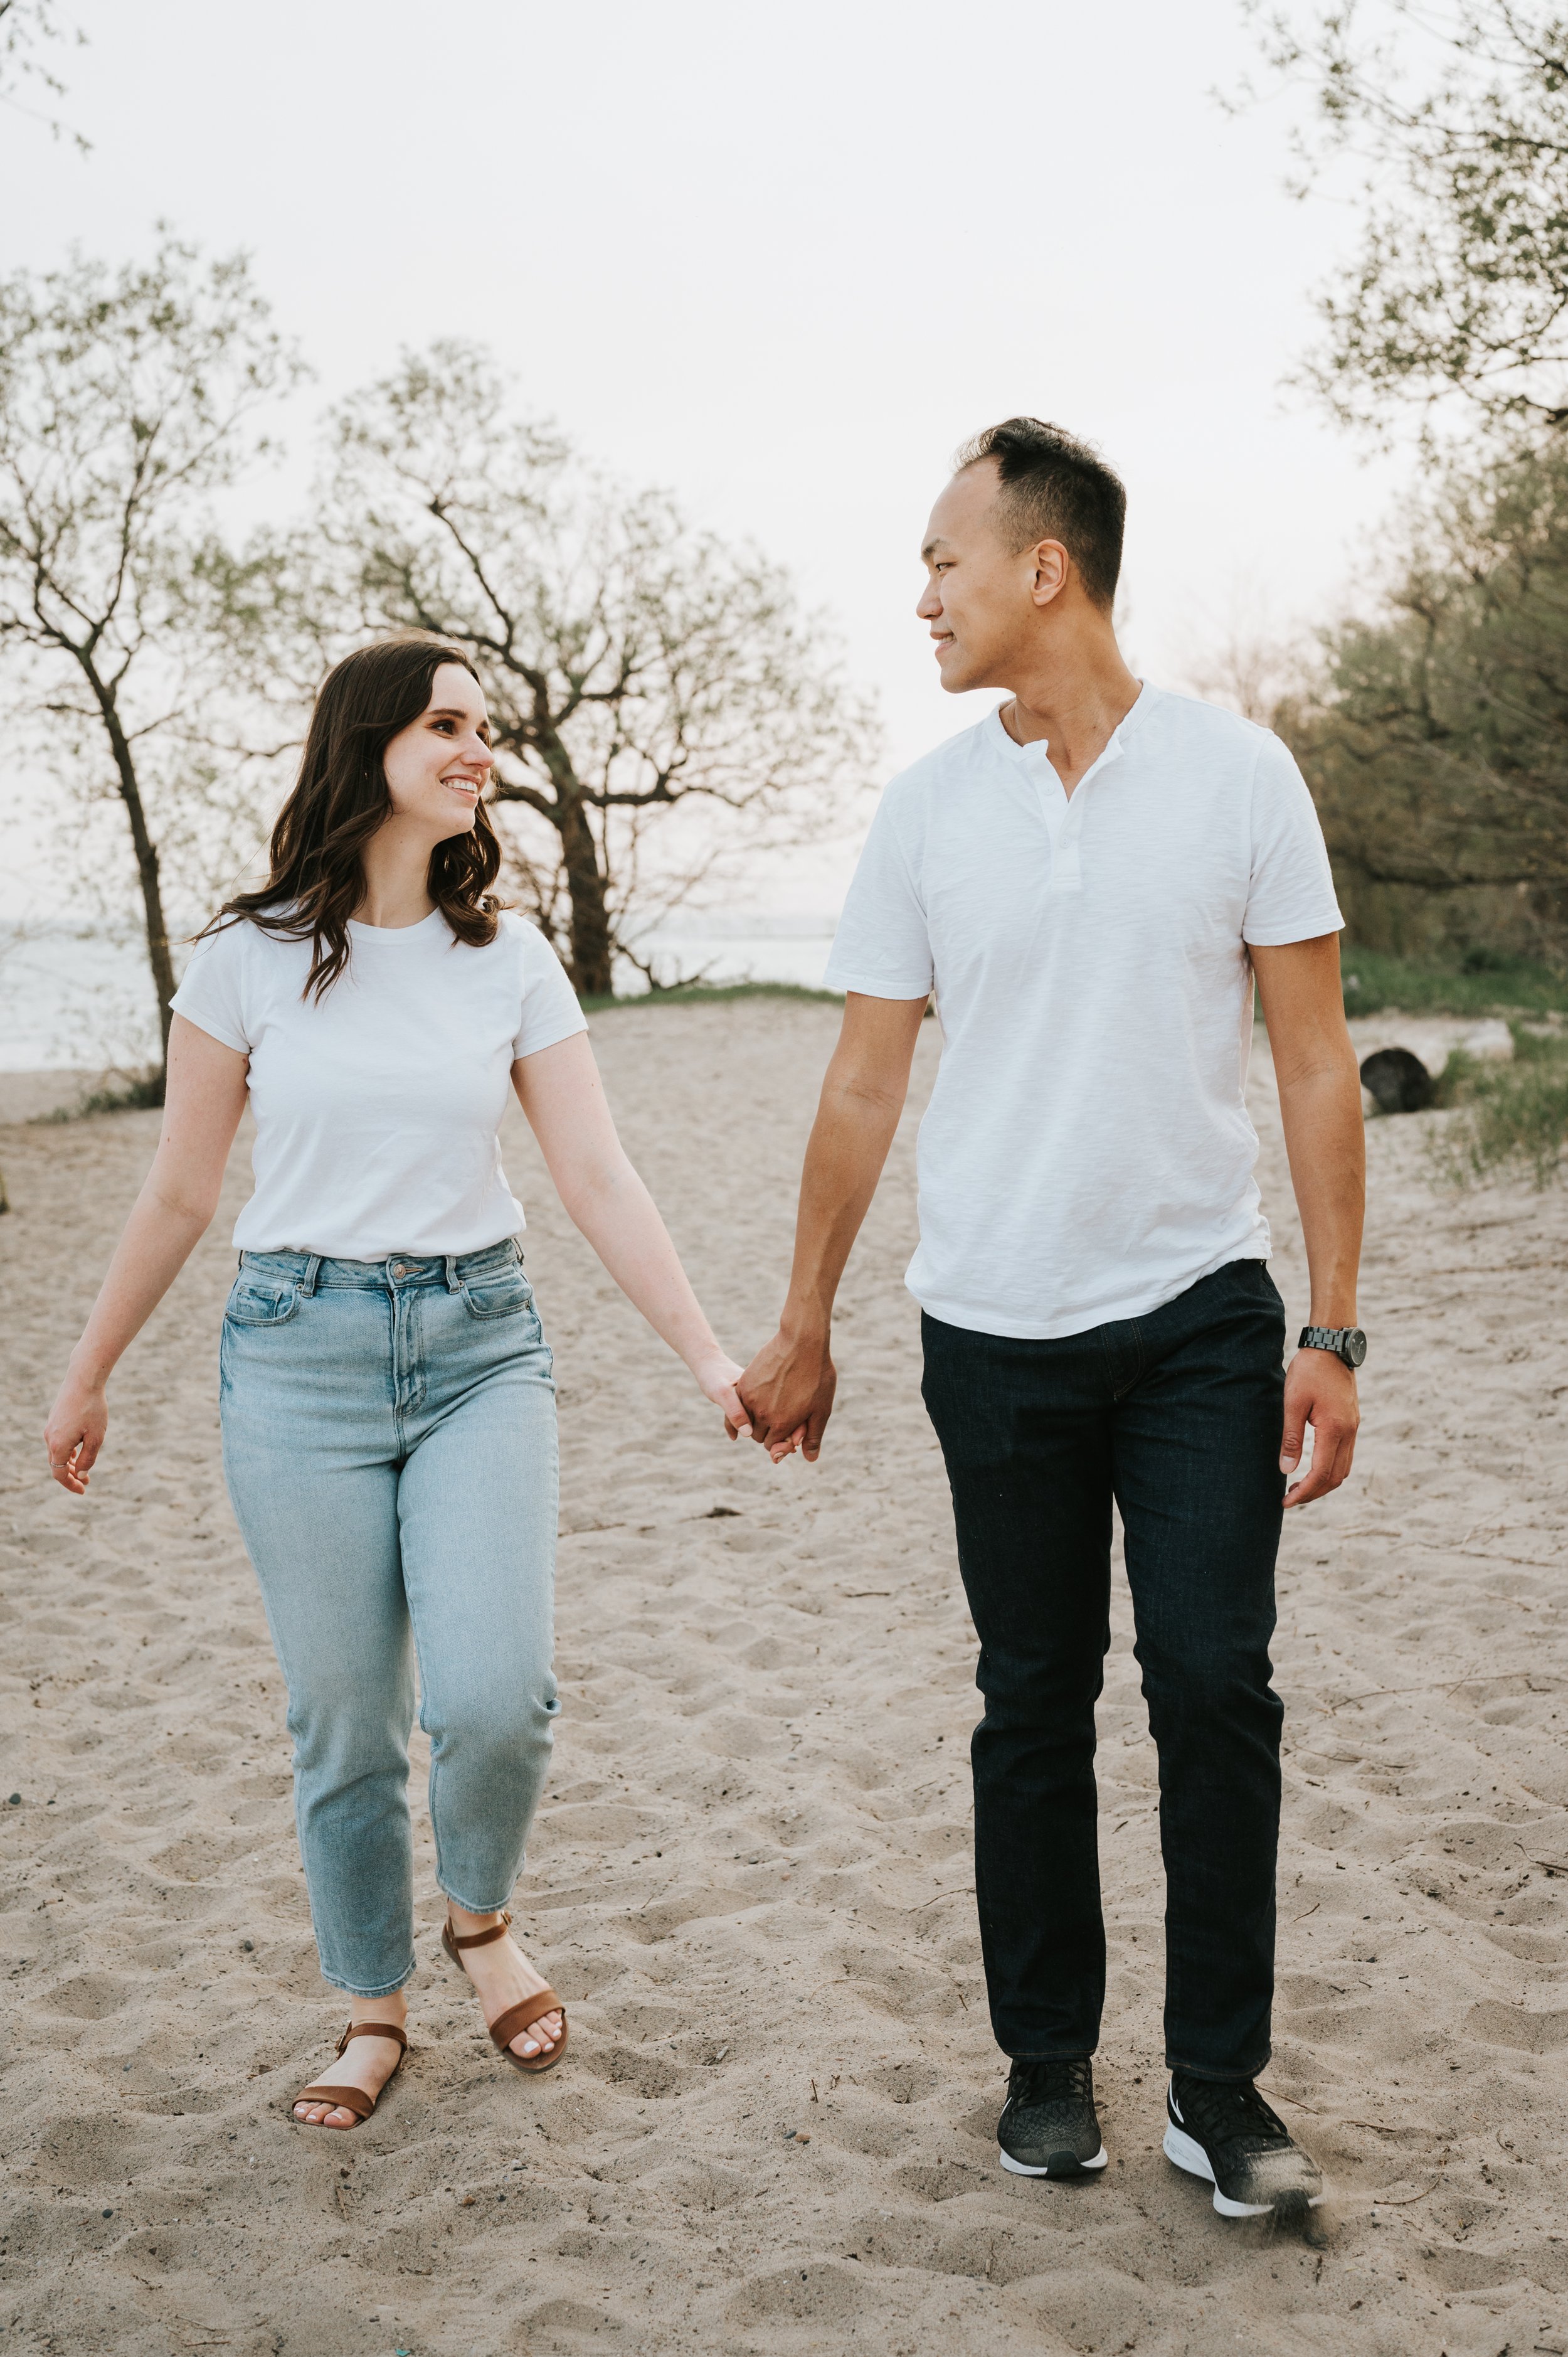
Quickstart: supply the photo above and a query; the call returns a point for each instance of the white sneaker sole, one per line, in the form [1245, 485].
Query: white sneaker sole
[1022, 2168]
[1188, 2154]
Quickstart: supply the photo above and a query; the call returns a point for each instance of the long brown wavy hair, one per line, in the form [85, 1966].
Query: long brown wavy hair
[339, 800]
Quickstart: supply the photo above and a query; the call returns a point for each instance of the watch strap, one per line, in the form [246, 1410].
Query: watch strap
[1335, 1339]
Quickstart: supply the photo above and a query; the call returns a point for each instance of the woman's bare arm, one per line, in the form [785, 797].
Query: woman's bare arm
[206, 1096]
[559, 1090]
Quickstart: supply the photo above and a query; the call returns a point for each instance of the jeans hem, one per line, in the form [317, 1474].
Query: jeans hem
[1219, 2078]
[476, 1906]
[382, 1988]
[1055, 2054]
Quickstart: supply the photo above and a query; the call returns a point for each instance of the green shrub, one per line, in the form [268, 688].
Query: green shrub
[1373, 980]
[1510, 1117]
[708, 994]
[140, 1094]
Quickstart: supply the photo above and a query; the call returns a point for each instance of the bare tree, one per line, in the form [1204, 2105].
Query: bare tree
[1459, 114]
[659, 700]
[1245, 662]
[127, 399]
[26, 27]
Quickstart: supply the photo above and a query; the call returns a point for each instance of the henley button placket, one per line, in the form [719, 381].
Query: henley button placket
[1066, 871]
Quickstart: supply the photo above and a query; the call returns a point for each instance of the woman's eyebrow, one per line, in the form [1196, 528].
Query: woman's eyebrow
[452, 712]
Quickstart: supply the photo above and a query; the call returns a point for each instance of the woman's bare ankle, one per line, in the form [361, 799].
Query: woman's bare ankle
[464, 1921]
[393, 2008]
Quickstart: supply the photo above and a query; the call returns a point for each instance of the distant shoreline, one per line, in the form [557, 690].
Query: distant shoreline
[72, 1001]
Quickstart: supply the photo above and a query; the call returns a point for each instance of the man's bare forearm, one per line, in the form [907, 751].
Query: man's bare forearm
[790, 1385]
[1325, 1139]
[855, 1126]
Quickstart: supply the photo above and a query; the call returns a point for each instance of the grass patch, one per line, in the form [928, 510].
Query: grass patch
[1482, 985]
[1509, 1118]
[709, 994]
[142, 1092]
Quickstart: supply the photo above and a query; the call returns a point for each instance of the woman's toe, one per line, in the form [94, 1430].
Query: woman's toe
[323, 2115]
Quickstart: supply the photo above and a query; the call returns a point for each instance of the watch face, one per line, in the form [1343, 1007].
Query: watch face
[1355, 1347]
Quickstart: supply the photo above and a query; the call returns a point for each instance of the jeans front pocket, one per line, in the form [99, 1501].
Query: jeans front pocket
[505, 1295]
[254, 1304]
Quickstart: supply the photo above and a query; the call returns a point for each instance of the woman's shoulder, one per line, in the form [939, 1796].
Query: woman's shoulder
[220, 944]
[238, 937]
[525, 941]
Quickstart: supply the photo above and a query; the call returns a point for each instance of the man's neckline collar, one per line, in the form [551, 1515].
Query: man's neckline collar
[994, 727]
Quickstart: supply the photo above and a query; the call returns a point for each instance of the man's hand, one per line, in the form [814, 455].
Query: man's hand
[1320, 1390]
[787, 1392]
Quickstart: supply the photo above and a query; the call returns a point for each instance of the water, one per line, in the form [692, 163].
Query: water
[84, 1003]
[719, 957]
[73, 1002]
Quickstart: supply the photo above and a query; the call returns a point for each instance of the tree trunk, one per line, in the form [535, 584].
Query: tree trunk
[158, 958]
[592, 954]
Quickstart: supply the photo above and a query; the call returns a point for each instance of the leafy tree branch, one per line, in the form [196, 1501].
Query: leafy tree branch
[1457, 116]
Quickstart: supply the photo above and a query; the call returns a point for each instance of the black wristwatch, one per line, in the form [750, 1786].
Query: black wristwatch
[1346, 1342]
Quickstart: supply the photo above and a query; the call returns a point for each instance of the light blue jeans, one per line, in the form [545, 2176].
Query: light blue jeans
[389, 1438]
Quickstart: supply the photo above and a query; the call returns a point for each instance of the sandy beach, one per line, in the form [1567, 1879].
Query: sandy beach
[751, 1878]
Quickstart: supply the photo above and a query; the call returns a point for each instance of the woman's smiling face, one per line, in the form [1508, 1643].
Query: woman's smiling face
[438, 766]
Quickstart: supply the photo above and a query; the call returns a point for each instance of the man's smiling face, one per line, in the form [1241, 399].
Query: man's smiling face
[979, 599]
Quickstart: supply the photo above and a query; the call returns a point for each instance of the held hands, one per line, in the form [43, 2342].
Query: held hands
[74, 1433]
[1320, 1390]
[788, 1391]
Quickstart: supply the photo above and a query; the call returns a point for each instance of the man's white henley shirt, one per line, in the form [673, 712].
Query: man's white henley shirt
[1087, 1153]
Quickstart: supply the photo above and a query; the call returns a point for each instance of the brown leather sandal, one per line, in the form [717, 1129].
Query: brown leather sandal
[354, 2099]
[519, 2016]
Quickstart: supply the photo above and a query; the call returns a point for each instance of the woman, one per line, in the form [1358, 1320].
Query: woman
[389, 1417]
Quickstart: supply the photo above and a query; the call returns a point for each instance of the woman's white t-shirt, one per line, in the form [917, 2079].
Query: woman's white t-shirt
[378, 1107]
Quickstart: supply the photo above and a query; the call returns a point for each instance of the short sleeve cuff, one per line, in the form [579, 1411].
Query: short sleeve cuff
[548, 1034]
[1309, 927]
[214, 1028]
[876, 986]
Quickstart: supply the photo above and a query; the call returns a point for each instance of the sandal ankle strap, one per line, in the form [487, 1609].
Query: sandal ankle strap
[373, 2029]
[480, 1939]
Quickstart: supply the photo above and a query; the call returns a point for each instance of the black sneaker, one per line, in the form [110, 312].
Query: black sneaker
[1223, 2130]
[1047, 2127]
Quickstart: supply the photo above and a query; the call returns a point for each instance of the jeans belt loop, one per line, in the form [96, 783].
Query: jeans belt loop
[312, 1270]
[453, 1281]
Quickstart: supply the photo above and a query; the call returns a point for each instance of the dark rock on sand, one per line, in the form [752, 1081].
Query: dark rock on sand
[1400, 1082]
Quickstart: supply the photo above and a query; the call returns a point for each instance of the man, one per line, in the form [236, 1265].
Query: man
[1090, 881]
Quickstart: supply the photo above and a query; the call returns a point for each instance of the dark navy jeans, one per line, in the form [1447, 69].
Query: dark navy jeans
[1176, 1417]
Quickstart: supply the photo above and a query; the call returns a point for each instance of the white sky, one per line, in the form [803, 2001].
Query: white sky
[781, 258]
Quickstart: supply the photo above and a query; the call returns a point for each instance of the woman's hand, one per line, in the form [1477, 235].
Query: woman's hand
[716, 1378]
[74, 1433]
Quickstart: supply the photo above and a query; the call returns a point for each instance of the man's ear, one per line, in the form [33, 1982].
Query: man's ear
[1051, 565]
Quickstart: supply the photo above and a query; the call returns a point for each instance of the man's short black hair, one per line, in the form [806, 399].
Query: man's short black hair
[1056, 488]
